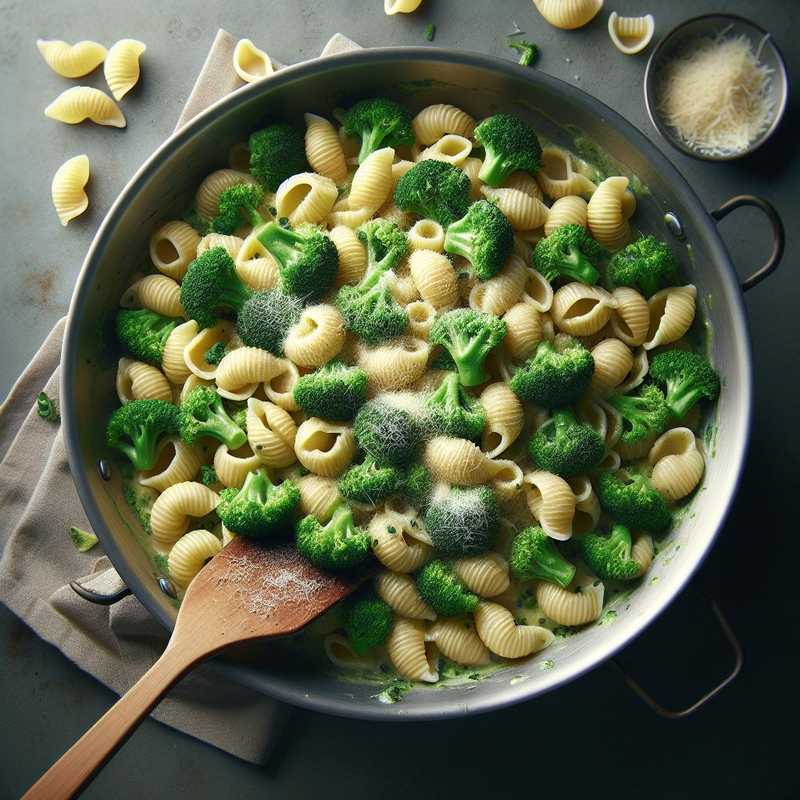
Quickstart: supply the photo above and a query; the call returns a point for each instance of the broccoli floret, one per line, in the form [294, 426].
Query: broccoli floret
[46, 407]
[609, 557]
[334, 391]
[367, 623]
[83, 540]
[238, 205]
[442, 590]
[307, 259]
[138, 427]
[260, 509]
[510, 144]
[483, 236]
[417, 485]
[647, 263]
[632, 501]
[565, 446]
[533, 555]
[277, 152]
[389, 434]
[462, 521]
[686, 376]
[645, 414]
[555, 377]
[434, 189]
[468, 336]
[215, 353]
[211, 285]
[569, 252]
[202, 414]
[208, 475]
[527, 51]
[452, 412]
[378, 123]
[369, 482]
[143, 333]
[265, 319]
[337, 545]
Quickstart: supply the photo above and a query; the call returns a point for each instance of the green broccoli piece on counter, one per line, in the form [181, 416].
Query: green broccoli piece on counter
[442, 590]
[687, 377]
[469, 336]
[510, 145]
[276, 153]
[238, 205]
[645, 414]
[609, 557]
[430, 32]
[307, 259]
[215, 353]
[138, 427]
[368, 308]
[367, 623]
[647, 264]
[565, 446]
[434, 189]
[143, 333]
[369, 482]
[83, 540]
[211, 285]
[265, 319]
[417, 485]
[389, 434]
[555, 377]
[632, 501]
[203, 414]
[334, 391]
[462, 521]
[46, 407]
[534, 556]
[260, 509]
[452, 412]
[337, 545]
[378, 122]
[208, 475]
[483, 236]
[528, 51]
[569, 252]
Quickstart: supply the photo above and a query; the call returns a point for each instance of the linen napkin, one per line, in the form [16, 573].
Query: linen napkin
[118, 643]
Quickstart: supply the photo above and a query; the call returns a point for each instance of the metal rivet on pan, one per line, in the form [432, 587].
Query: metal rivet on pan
[166, 586]
[104, 468]
[674, 225]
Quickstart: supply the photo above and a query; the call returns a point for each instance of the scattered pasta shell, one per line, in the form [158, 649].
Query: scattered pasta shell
[631, 35]
[67, 190]
[71, 60]
[568, 14]
[251, 64]
[83, 102]
[122, 66]
[392, 7]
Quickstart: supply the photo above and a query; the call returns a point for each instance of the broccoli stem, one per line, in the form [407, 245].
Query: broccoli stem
[460, 241]
[342, 521]
[256, 487]
[553, 566]
[370, 142]
[494, 170]
[228, 430]
[142, 451]
[281, 242]
[577, 266]
[682, 396]
[470, 367]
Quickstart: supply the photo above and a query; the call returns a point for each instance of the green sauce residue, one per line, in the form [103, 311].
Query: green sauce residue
[394, 692]
[547, 664]
[608, 617]
[603, 163]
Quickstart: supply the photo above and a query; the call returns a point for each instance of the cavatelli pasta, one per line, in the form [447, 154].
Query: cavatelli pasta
[324, 448]
[242, 369]
[318, 496]
[352, 255]
[410, 654]
[451, 148]
[190, 554]
[172, 361]
[399, 591]
[83, 102]
[67, 189]
[250, 63]
[631, 319]
[324, 149]
[206, 198]
[172, 509]
[316, 337]
[305, 197]
[271, 432]
[434, 277]
[485, 575]
[609, 209]
[139, 381]
[194, 354]
[525, 212]
[426, 234]
[498, 294]
[677, 463]
[671, 315]
[457, 640]
[568, 210]
[552, 501]
[71, 60]
[436, 120]
[568, 14]
[557, 178]
[613, 362]
[581, 310]
[524, 330]
[578, 604]
[177, 462]
[173, 247]
[504, 418]
[372, 181]
[498, 631]
[232, 467]
[156, 292]
[394, 366]
[394, 543]
[121, 66]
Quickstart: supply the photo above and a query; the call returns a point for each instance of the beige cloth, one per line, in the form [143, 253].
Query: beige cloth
[116, 644]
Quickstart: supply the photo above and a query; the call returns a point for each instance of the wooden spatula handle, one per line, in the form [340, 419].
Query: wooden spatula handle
[81, 762]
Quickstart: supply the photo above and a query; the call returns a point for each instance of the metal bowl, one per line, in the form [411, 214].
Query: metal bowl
[710, 25]
[165, 186]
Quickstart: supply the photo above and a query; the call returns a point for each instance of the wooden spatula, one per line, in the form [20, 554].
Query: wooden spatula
[246, 592]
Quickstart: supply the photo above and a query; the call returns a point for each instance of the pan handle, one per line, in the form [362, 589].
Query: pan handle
[103, 588]
[667, 713]
[778, 233]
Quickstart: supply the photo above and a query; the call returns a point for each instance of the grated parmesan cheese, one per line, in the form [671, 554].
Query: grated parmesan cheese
[717, 95]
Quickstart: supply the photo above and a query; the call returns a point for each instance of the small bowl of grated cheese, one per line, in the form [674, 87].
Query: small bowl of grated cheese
[716, 87]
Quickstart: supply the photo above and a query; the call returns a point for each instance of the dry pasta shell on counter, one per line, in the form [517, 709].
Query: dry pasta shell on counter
[568, 210]
[352, 255]
[139, 381]
[498, 294]
[271, 432]
[551, 500]
[255, 265]
[318, 496]
[631, 319]
[434, 277]
[570, 607]
[177, 462]
[568, 14]
[677, 463]
[558, 178]
[173, 247]
[436, 120]
[504, 418]
[172, 361]
[156, 292]
[525, 212]
[631, 35]
[169, 517]
[207, 196]
[83, 102]
[394, 366]
[608, 212]
[324, 150]
[71, 60]
[500, 633]
[122, 66]
[671, 315]
[190, 554]
[250, 63]
[485, 575]
[394, 543]
[450, 148]
[305, 197]
[194, 354]
[412, 657]
[324, 448]
[613, 362]
[372, 181]
[67, 189]
[399, 591]
[457, 640]
[232, 467]
[581, 310]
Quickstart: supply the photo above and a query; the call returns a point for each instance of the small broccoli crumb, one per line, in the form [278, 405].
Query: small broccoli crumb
[83, 540]
[430, 31]
[139, 504]
[528, 51]
[46, 407]
[208, 475]
[161, 563]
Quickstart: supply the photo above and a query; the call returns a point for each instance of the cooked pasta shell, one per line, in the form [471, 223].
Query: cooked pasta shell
[67, 189]
[173, 247]
[426, 234]
[551, 500]
[394, 367]
[250, 63]
[451, 148]
[500, 633]
[399, 591]
[631, 35]
[324, 448]
[608, 211]
[156, 292]
[435, 121]
[631, 319]
[169, 517]
[71, 60]
[352, 255]
[456, 461]
[83, 102]
[194, 354]
[471, 168]
[324, 149]
[504, 418]
[316, 337]
[172, 361]
[231, 244]
[568, 14]
[190, 554]
[486, 574]
[524, 330]
[280, 387]
[255, 265]
[372, 181]
[457, 640]
[578, 604]
[538, 292]
[523, 182]
[581, 310]
[671, 315]
[412, 657]
[558, 178]
[677, 464]
[341, 654]
[305, 197]
[434, 277]
[139, 381]
[242, 369]
[344, 214]
[506, 477]
[498, 294]
[569, 210]
[189, 385]
[206, 198]
[613, 362]
[523, 211]
[318, 496]
[122, 66]
[232, 467]
[421, 316]
[271, 432]
[395, 543]
[177, 462]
